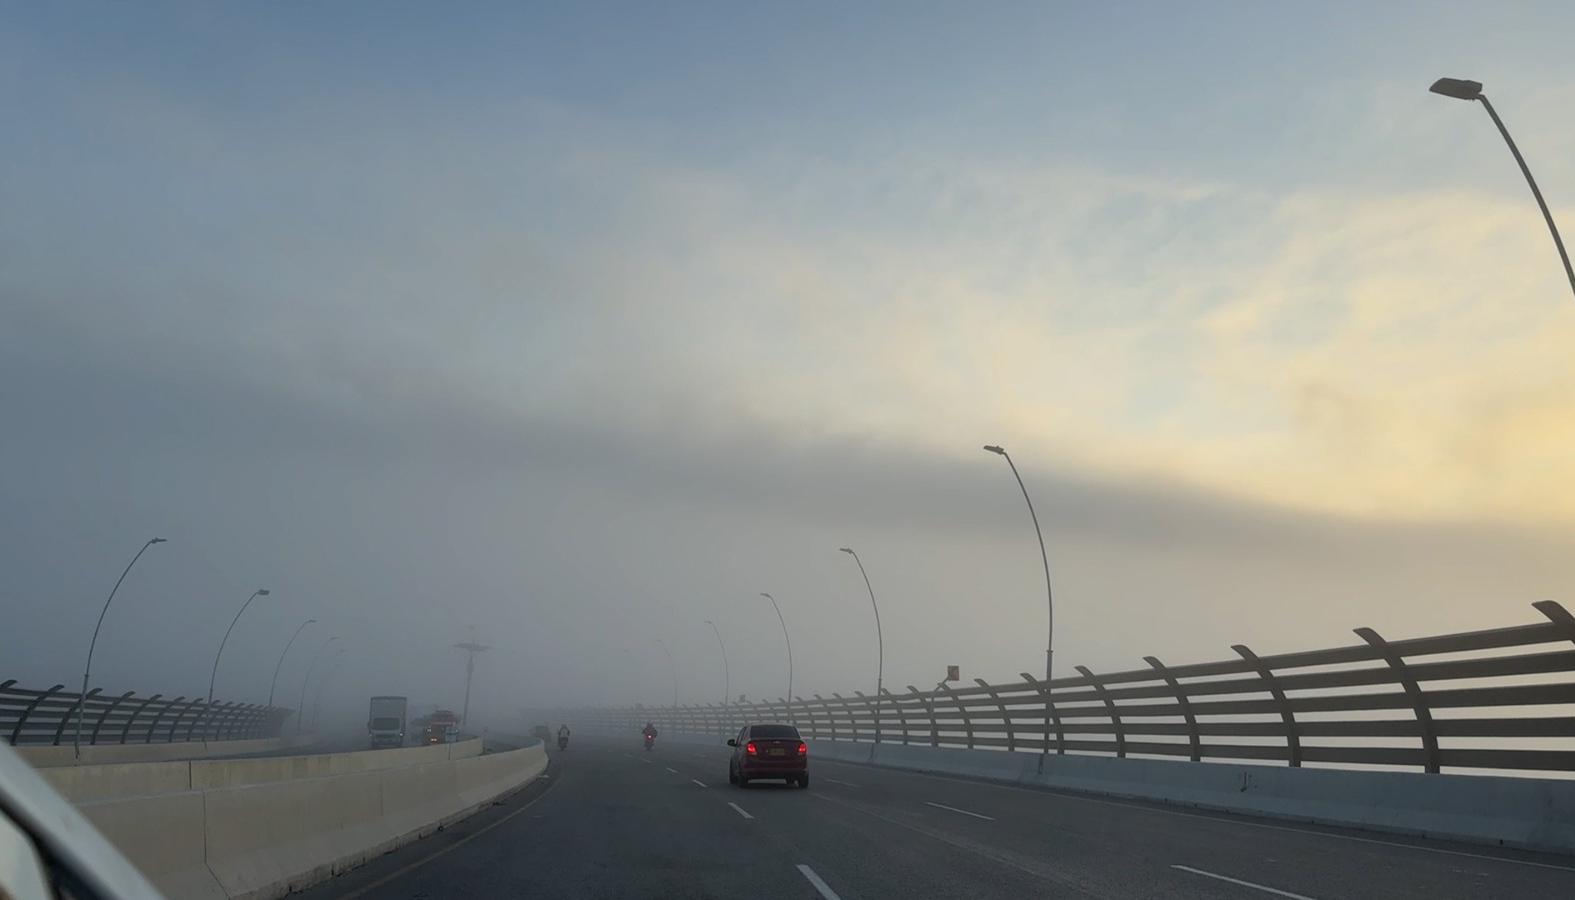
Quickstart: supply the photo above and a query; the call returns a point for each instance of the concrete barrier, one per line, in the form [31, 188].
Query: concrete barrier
[270, 839]
[261, 840]
[111, 754]
[165, 837]
[94, 783]
[90, 784]
[207, 774]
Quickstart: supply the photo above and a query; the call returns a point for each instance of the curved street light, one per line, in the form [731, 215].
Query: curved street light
[880, 642]
[1463, 89]
[671, 666]
[300, 707]
[787, 640]
[1049, 597]
[87, 668]
[275, 683]
[727, 677]
[207, 711]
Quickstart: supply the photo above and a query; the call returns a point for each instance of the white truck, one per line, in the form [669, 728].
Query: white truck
[386, 721]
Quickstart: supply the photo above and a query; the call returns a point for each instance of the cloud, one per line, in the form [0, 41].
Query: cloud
[534, 369]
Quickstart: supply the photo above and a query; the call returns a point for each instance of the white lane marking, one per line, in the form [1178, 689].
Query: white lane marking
[698, 781]
[1257, 887]
[644, 760]
[824, 888]
[843, 783]
[740, 810]
[672, 770]
[956, 810]
[1223, 819]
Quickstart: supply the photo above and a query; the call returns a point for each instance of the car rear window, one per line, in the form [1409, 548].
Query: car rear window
[787, 732]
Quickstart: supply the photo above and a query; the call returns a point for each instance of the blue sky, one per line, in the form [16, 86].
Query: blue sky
[320, 279]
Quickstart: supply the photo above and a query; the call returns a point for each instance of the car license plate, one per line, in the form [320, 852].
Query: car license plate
[776, 751]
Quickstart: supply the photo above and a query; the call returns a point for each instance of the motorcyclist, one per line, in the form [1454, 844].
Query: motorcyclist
[563, 735]
[649, 731]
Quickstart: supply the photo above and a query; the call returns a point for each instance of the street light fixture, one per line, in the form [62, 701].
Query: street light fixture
[880, 642]
[207, 711]
[785, 639]
[1049, 597]
[300, 707]
[1463, 89]
[76, 740]
[726, 674]
[275, 683]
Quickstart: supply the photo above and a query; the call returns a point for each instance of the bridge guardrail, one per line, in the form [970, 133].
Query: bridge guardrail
[31, 717]
[1417, 702]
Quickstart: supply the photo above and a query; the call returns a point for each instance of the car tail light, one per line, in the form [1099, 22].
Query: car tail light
[751, 749]
[803, 748]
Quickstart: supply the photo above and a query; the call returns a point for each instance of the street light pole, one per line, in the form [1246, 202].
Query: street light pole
[727, 678]
[880, 642]
[1462, 89]
[673, 667]
[76, 740]
[300, 708]
[275, 683]
[317, 700]
[471, 648]
[207, 711]
[787, 640]
[1049, 597]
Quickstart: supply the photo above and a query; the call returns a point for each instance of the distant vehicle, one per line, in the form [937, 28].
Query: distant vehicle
[386, 721]
[442, 727]
[768, 751]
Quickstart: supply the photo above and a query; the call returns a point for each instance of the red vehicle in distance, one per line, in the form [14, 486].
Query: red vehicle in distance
[442, 727]
[768, 751]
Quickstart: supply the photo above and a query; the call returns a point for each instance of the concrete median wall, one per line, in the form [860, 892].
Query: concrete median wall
[93, 783]
[262, 840]
[112, 754]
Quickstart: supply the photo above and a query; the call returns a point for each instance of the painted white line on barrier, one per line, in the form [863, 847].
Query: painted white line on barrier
[1257, 887]
[740, 810]
[843, 783]
[956, 810]
[698, 781]
[824, 888]
[670, 769]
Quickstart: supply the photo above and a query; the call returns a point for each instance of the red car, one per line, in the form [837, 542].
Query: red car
[768, 751]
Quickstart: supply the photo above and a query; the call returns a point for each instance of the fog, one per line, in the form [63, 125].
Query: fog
[578, 334]
[572, 549]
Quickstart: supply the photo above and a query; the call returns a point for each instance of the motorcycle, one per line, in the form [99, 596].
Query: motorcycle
[563, 742]
[650, 741]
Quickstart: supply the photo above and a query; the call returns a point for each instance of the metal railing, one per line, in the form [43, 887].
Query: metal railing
[1428, 703]
[48, 717]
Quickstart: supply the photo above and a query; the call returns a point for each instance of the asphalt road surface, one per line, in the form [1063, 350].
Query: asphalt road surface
[610, 820]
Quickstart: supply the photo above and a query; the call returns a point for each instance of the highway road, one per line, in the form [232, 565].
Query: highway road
[610, 820]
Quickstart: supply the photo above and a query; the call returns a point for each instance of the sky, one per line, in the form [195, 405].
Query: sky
[580, 325]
